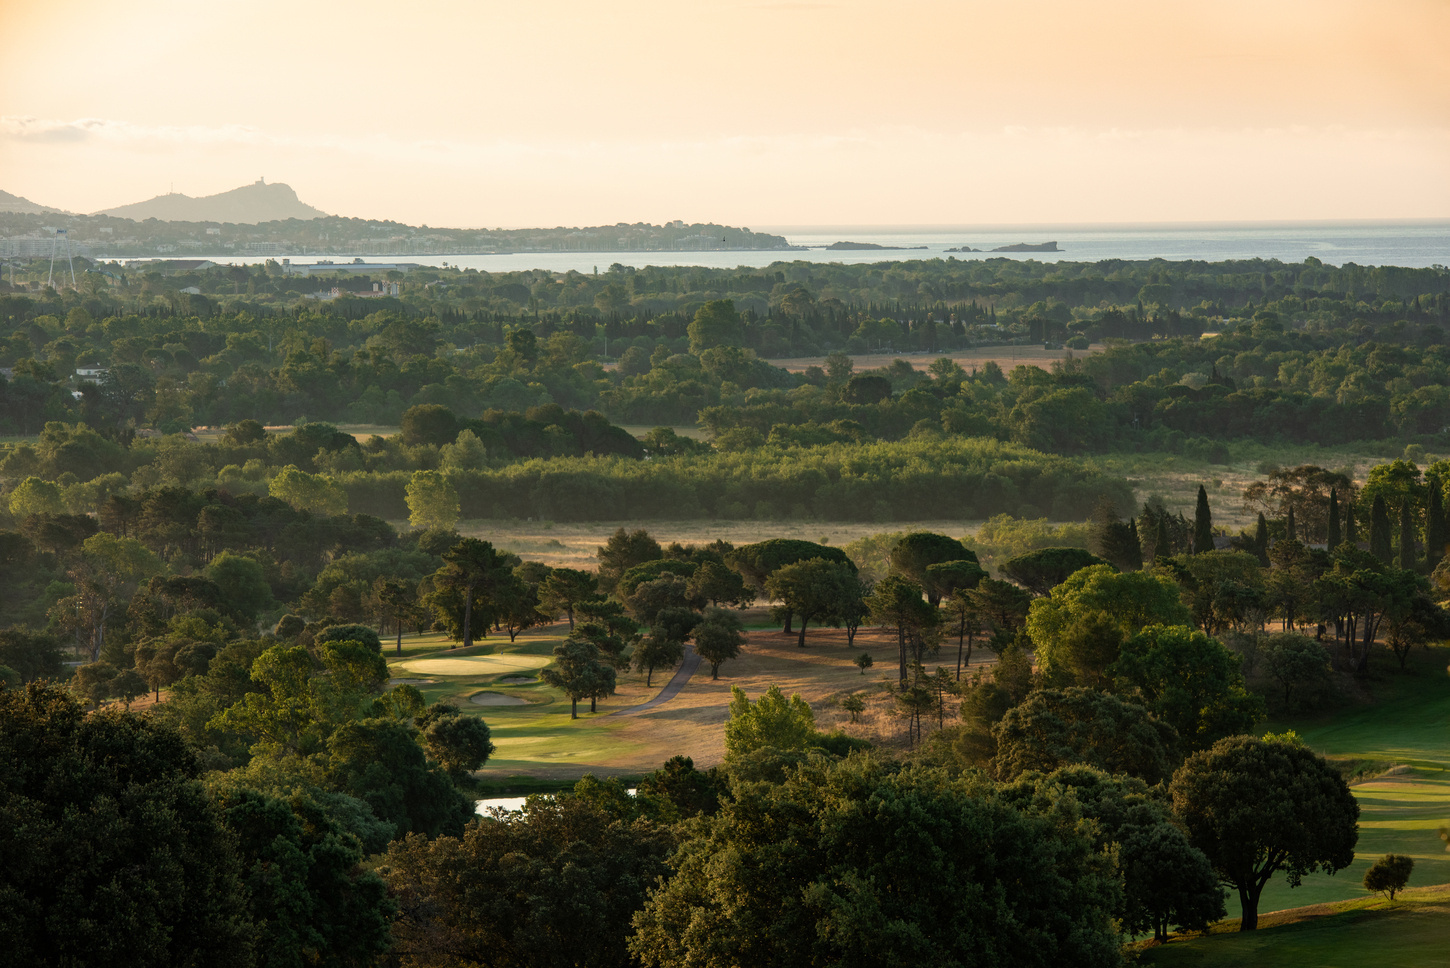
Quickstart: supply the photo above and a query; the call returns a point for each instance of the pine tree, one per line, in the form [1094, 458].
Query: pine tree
[1261, 541]
[1379, 530]
[1407, 536]
[1332, 541]
[1202, 524]
[1435, 536]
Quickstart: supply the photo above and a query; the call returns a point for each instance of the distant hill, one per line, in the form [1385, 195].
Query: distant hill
[248, 205]
[14, 203]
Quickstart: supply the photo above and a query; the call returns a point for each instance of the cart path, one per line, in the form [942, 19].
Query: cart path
[672, 688]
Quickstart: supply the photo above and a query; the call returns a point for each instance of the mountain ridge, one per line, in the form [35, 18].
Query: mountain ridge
[248, 205]
[24, 206]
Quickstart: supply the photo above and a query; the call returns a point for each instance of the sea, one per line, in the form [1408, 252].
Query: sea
[1413, 244]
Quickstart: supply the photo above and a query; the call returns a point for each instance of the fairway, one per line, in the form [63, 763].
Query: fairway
[1413, 932]
[1405, 724]
[537, 740]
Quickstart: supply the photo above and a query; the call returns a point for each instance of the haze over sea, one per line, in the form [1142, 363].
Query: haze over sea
[1415, 244]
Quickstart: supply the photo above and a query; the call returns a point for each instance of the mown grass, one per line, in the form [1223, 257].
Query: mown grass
[1411, 932]
[1402, 721]
[539, 744]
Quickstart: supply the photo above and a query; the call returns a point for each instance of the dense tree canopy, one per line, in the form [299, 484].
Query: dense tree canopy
[864, 860]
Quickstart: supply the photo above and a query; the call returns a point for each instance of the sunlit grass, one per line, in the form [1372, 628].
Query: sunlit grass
[1411, 932]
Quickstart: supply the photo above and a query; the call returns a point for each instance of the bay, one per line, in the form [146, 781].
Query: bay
[1413, 244]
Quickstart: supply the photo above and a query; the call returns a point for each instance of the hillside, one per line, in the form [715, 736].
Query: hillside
[24, 206]
[248, 205]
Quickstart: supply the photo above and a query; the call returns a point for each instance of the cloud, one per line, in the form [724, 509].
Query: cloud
[41, 131]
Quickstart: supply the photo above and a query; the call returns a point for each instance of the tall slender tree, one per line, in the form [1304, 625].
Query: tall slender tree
[1408, 557]
[1202, 524]
[1380, 541]
[1290, 531]
[1261, 541]
[1162, 543]
[1435, 531]
[1351, 531]
[1333, 538]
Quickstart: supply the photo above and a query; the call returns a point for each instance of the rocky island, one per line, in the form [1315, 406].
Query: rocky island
[1028, 247]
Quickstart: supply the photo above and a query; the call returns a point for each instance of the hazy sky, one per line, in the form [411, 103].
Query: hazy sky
[747, 113]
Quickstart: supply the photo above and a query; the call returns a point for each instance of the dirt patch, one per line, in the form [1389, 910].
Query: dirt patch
[496, 699]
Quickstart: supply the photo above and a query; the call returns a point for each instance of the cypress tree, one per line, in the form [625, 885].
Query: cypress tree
[1379, 530]
[1109, 538]
[1162, 544]
[1289, 526]
[1435, 536]
[1202, 524]
[1261, 541]
[1332, 541]
[1407, 535]
[1351, 533]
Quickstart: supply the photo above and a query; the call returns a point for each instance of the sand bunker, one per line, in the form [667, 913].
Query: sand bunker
[515, 680]
[475, 665]
[410, 682]
[496, 699]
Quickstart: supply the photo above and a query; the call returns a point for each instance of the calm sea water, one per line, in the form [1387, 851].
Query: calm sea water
[1413, 244]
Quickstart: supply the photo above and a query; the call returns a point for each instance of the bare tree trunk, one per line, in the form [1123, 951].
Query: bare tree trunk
[467, 617]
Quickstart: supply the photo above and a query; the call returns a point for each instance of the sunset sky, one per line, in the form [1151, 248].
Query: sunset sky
[748, 113]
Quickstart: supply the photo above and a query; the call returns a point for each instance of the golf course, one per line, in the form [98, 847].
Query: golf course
[1391, 736]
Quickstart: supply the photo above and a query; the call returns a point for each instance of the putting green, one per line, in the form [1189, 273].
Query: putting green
[475, 665]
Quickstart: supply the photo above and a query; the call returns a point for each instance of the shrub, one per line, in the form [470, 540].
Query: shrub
[1389, 875]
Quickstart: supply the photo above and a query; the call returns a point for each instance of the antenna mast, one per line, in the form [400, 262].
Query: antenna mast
[54, 242]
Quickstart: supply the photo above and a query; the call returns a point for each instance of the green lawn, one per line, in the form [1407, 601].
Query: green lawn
[1413, 932]
[528, 736]
[1406, 722]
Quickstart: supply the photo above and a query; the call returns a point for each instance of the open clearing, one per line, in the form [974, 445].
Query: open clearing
[539, 742]
[1006, 357]
[575, 545]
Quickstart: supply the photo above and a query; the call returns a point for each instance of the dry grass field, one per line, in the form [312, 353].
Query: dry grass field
[573, 545]
[1176, 478]
[1006, 357]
